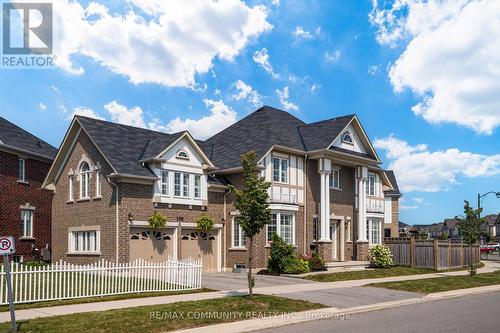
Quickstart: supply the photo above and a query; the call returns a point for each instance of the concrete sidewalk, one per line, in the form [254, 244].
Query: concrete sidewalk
[274, 290]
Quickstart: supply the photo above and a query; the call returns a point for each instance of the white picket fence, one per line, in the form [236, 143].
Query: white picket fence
[63, 280]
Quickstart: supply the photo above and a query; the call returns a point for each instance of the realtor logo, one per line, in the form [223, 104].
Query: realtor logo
[26, 30]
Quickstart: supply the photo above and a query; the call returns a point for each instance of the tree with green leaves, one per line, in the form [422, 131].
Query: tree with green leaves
[252, 205]
[470, 228]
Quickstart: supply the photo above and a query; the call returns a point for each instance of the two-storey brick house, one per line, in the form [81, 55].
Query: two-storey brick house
[25, 208]
[108, 179]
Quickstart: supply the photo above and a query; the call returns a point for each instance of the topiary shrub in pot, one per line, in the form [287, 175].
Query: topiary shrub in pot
[157, 221]
[380, 256]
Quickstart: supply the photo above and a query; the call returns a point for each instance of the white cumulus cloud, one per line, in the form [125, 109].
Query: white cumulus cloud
[83, 111]
[123, 115]
[220, 117]
[261, 57]
[284, 95]
[156, 41]
[419, 169]
[450, 58]
[245, 91]
[333, 56]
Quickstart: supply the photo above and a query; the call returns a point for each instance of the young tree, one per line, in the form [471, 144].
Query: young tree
[252, 205]
[470, 229]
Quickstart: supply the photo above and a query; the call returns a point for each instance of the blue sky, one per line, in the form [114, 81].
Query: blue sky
[416, 80]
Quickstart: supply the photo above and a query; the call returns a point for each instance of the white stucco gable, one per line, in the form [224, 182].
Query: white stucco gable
[356, 144]
[174, 155]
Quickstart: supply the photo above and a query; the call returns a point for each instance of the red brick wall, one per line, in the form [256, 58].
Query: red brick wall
[13, 194]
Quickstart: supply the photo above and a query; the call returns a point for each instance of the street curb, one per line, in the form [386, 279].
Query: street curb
[330, 313]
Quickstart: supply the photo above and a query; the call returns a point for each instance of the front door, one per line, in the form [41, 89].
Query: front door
[336, 240]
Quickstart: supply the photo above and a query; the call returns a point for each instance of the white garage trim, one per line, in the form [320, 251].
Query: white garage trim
[172, 224]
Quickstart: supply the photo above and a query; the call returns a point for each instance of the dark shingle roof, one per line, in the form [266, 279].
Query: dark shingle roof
[16, 138]
[258, 131]
[124, 145]
[392, 178]
[321, 134]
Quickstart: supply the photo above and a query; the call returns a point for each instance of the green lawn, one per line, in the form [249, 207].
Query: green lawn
[368, 274]
[99, 299]
[435, 285]
[168, 317]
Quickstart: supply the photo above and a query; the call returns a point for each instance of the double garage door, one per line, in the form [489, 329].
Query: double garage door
[158, 245]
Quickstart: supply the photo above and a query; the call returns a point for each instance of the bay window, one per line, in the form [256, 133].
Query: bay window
[197, 186]
[370, 186]
[283, 225]
[374, 231]
[164, 182]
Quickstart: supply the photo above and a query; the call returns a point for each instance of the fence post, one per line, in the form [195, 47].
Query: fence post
[462, 254]
[412, 252]
[449, 254]
[436, 254]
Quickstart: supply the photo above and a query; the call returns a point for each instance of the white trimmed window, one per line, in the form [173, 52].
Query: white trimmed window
[70, 189]
[370, 186]
[197, 186]
[239, 238]
[84, 180]
[26, 223]
[185, 185]
[181, 184]
[335, 179]
[177, 184]
[280, 170]
[84, 241]
[316, 229]
[182, 154]
[164, 182]
[347, 138]
[283, 225]
[98, 183]
[374, 231]
[22, 169]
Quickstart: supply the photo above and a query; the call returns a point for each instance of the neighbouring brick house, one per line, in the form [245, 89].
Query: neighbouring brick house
[328, 190]
[25, 208]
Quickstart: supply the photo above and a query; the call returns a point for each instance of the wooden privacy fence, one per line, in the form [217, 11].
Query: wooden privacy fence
[62, 280]
[436, 254]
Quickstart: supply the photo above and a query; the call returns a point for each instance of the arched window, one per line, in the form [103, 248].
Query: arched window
[84, 180]
[182, 154]
[346, 137]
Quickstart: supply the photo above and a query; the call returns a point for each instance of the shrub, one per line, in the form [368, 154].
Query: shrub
[157, 221]
[280, 252]
[205, 223]
[315, 262]
[296, 265]
[380, 256]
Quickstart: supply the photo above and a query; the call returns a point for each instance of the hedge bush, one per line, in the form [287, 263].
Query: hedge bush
[315, 262]
[283, 259]
[380, 256]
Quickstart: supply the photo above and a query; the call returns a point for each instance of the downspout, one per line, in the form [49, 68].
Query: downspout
[117, 224]
[305, 204]
[225, 227]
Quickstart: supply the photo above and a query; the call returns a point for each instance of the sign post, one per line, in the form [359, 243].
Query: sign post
[7, 247]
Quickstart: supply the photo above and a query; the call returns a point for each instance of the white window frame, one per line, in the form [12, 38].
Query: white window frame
[372, 232]
[332, 179]
[22, 170]
[316, 229]
[25, 214]
[164, 185]
[370, 186]
[85, 175]
[283, 170]
[197, 186]
[240, 241]
[98, 183]
[70, 188]
[351, 142]
[278, 226]
[186, 185]
[177, 185]
[84, 241]
[180, 152]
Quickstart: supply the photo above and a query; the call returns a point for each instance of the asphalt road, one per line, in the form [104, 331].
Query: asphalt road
[476, 313]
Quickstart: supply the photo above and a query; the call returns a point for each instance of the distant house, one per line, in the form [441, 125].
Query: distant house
[431, 230]
[25, 208]
[406, 230]
[492, 227]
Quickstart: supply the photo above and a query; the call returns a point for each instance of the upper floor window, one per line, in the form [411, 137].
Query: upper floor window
[26, 223]
[280, 170]
[197, 186]
[182, 154]
[335, 179]
[84, 180]
[22, 169]
[164, 182]
[239, 238]
[181, 184]
[70, 189]
[98, 183]
[370, 186]
[346, 137]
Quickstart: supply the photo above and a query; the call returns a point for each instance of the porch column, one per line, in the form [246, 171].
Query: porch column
[342, 240]
[324, 168]
[362, 173]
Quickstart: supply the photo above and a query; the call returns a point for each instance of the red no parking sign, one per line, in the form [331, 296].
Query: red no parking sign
[7, 245]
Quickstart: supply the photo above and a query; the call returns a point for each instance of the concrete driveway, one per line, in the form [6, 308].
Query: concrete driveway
[235, 281]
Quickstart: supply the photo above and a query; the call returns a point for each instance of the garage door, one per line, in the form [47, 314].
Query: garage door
[151, 245]
[199, 244]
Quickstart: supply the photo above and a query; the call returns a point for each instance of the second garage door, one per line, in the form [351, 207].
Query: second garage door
[200, 244]
[151, 245]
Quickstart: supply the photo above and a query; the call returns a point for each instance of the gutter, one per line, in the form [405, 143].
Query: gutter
[44, 158]
[225, 228]
[117, 222]
[305, 204]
